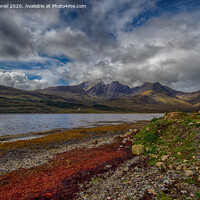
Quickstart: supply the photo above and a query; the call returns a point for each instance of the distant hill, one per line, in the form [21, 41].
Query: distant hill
[52, 100]
[96, 96]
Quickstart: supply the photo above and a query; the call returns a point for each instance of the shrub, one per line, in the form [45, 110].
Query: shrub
[154, 119]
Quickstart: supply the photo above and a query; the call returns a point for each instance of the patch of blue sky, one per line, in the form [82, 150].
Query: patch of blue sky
[169, 7]
[67, 15]
[20, 65]
[177, 6]
[63, 82]
[142, 18]
[33, 76]
[14, 65]
[61, 58]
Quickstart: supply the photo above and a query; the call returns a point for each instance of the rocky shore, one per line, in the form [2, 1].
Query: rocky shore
[15, 158]
[158, 160]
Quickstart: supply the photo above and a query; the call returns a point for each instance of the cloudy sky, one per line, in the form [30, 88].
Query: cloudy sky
[131, 41]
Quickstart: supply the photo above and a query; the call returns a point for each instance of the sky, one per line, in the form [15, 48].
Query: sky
[130, 41]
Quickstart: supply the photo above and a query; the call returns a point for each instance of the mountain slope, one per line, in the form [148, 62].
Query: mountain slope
[153, 97]
[156, 87]
[193, 97]
[74, 93]
[20, 101]
[53, 100]
[97, 96]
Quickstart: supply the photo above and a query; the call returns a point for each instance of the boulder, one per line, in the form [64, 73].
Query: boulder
[171, 166]
[189, 173]
[164, 158]
[135, 130]
[126, 169]
[152, 191]
[159, 164]
[127, 134]
[138, 149]
[179, 167]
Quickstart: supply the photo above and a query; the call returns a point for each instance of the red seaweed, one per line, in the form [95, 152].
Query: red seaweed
[59, 179]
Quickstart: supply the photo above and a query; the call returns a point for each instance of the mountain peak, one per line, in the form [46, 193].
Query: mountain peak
[97, 81]
[90, 84]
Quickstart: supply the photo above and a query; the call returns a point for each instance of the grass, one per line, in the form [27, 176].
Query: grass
[176, 135]
[97, 180]
[197, 195]
[171, 135]
[163, 196]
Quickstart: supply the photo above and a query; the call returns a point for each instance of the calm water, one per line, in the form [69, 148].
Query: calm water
[25, 123]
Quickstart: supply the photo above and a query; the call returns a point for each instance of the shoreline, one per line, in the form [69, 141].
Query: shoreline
[37, 134]
[27, 157]
[98, 163]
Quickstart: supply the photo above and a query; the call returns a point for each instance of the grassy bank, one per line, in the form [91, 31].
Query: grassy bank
[173, 143]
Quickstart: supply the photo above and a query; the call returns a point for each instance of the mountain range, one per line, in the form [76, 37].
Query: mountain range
[96, 96]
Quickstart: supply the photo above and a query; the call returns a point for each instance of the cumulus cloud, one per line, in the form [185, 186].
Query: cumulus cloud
[21, 81]
[165, 49]
[111, 40]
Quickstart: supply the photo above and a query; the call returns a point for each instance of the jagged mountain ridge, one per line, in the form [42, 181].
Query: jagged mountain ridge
[92, 95]
[97, 89]
[118, 90]
[100, 89]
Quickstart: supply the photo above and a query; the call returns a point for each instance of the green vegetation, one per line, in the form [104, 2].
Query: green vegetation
[197, 195]
[97, 180]
[29, 104]
[163, 196]
[174, 134]
[174, 142]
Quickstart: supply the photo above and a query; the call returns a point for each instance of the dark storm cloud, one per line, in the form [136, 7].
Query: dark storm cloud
[41, 1]
[15, 41]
